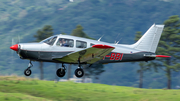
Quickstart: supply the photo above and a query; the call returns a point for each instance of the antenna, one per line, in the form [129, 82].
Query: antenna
[116, 37]
[118, 41]
[100, 37]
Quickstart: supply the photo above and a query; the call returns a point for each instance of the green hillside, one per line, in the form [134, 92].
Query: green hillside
[27, 89]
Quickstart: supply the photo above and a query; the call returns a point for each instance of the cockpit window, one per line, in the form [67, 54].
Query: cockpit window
[50, 41]
[63, 42]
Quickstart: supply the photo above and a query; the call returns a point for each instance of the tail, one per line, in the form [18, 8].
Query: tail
[149, 41]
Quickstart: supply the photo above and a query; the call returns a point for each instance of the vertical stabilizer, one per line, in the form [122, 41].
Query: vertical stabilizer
[150, 40]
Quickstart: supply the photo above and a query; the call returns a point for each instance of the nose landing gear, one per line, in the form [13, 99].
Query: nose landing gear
[61, 71]
[27, 71]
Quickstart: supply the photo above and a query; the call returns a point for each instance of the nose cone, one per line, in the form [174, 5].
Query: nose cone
[14, 47]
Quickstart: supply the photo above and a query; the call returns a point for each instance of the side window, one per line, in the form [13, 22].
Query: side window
[91, 44]
[81, 44]
[63, 42]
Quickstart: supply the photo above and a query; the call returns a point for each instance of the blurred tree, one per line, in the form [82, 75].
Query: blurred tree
[95, 69]
[42, 34]
[169, 45]
[79, 32]
[143, 65]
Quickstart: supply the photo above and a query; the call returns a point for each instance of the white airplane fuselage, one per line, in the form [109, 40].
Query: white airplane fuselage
[45, 52]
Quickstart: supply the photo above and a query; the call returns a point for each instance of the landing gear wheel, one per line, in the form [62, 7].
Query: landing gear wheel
[27, 72]
[60, 72]
[79, 72]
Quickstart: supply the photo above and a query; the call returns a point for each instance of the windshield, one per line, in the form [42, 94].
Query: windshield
[50, 41]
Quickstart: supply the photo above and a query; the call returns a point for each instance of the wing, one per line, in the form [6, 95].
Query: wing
[89, 55]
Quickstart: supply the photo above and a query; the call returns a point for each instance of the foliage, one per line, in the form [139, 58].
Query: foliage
[94, 70]
[78, 31]
[142, 65]
[49, 90]
[44, 33]
[169, 45]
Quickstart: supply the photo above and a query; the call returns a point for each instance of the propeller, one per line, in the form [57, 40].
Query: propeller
[14, 45]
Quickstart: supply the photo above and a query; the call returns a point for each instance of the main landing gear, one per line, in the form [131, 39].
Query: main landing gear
[79, 71]
[62, 71]
[27, 71]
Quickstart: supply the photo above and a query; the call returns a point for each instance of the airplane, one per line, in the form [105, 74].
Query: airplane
[76, 50]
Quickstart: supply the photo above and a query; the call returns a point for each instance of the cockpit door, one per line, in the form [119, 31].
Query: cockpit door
[62, 47]
[46, 48]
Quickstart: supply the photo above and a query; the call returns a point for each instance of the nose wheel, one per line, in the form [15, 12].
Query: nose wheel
[27, 71]
[61, 71]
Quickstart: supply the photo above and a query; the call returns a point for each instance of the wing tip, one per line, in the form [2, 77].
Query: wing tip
[102, 46]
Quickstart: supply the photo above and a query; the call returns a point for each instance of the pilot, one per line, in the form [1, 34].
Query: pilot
[59, 42]
[63, 43]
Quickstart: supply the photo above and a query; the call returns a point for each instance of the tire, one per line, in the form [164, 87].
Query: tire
[79, 72]
[27, 72]
[60, 72]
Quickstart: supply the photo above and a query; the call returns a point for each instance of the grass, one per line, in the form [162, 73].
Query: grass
[14, 88]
